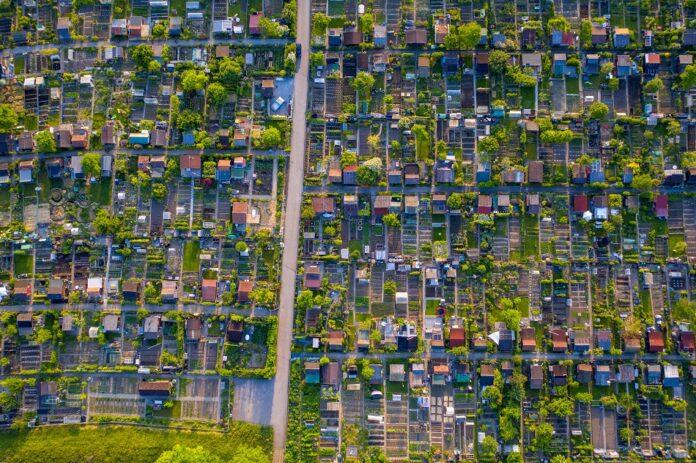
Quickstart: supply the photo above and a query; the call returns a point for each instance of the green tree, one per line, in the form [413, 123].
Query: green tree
[246, 454]
[562, 406]
[106, 224]
[229, 72]
[159, 191]
[543, 434]
[493, 395]
[687, 79]
[8, 118]
[688, 159]
[271, 29]
[320, 22]
[511, 317]
[193, 80]
[598, 110]
[262, 296]
[8, 402]
[142, 55]
[209, 169]
[557, 136]
[374, 164]
[366, 176]
[679, 249]
[160, 30]
[390, 287]
[363, 84]
[488, 145]
[488, 449]
[643, 182]
[366, 371]
[509, 424]
[558, 23]
[348, 158]
[498, 61]
[455, 201]
[271, 138]
[654, 85]
[181, 454]
[91, 165]
[217, 94]
[464, 37]
[46, 142]
[153, 67]
[241, 247]
[189, 120]
[391, 220]
[586, 33]
[606, 68]
[316, 59]
[366, 23]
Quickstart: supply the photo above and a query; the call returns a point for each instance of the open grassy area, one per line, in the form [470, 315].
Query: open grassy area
[114, 444]
[530, 232]
[192, 251]
[100, 191]
[23, 263]
[527, 95]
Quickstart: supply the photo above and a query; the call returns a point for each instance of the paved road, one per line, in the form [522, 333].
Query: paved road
[293, 203]
[260, 42]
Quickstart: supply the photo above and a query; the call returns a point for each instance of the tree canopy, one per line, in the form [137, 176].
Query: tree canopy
[217, 94]
[181, 454]
[598, 110]
[229, 72]
[91, 165]
[193, 80]
[8, 118]
[654, 85]
[45, 142]
[271, 138]
[142, 55]
[464, 37]
[688, 77]
[363, 84]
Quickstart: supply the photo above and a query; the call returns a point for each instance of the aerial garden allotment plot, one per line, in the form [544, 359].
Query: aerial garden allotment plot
[143, 152]
[496, 231]
[498, 246]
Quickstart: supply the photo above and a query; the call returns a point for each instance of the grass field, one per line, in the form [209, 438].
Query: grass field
[100, 191]
[192, 251]
[23, 263]
[116, 444]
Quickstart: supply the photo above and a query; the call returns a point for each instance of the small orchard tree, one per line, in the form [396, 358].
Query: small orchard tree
[598, 110]
[45, 142]
[391, 220]
[91, 165]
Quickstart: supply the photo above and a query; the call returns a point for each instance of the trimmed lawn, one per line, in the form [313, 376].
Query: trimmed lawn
[100, 192]
[527, 95]
[673, 240]
[530, 233]
[23, 263]
[116, 444]
[192, 251]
